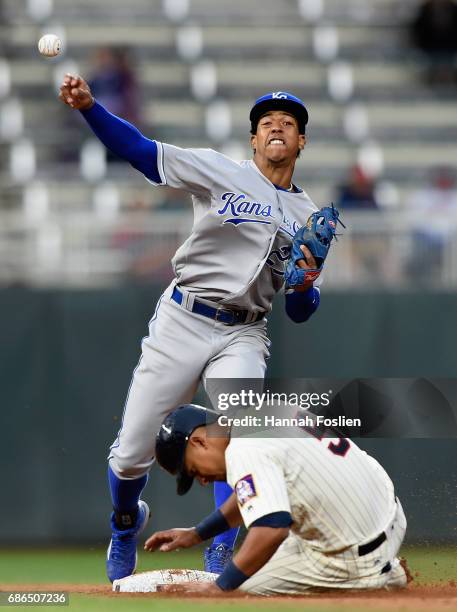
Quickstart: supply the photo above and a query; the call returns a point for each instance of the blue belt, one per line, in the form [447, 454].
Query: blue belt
[224, 315]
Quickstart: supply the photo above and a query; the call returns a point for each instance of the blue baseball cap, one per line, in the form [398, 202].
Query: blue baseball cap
[172, 439]
[279, 100]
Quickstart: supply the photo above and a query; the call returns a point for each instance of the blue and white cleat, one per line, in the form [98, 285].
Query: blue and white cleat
[121, 557]
[217, 557]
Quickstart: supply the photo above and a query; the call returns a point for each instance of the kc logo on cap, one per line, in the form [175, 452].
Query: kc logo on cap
[279, 100]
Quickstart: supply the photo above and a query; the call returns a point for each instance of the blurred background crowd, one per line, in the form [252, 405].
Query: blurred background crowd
[379, 79]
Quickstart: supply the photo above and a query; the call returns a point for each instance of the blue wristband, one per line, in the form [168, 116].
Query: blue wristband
[301, 305]
[231, 578]
[212, 525]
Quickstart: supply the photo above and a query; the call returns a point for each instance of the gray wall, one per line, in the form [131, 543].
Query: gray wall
[65, 364]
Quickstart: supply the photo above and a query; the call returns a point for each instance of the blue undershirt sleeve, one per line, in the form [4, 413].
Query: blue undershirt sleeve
[125, 141]
[301, 305]
[275, 520]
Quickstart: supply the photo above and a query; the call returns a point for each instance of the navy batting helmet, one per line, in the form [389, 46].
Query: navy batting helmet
[279, 100]
[171, 441]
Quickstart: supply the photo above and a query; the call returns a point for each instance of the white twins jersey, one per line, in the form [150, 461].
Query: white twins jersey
[242, 231]
[338, 496]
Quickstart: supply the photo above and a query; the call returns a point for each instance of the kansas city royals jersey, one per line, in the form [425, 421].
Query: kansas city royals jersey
[337, 495]
[242, 230]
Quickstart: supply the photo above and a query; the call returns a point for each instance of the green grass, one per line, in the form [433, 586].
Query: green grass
[85, 603]
[87, 566]
[431, 564]
[80, 566]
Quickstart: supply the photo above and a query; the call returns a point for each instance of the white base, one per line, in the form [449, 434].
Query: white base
[146, 582]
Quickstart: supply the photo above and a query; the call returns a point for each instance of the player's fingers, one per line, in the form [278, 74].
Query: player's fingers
[64, 94]
[77, 92]
[152, 543]
[169, 546]
[157, 539]
[309, 261]
[77, 80]
[65, 97]
[66, 87]
[70, 78]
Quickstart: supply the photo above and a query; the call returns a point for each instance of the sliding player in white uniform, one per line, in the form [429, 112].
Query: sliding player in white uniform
[320, 512]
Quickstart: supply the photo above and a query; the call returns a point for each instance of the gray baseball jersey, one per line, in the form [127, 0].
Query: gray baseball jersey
[243, 226]
[235, 255]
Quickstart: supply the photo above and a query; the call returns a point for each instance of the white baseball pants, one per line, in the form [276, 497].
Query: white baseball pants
[296, 568]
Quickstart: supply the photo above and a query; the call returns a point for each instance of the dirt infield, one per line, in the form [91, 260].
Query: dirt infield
[438, 596]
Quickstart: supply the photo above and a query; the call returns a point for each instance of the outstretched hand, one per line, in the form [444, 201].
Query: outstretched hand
[75, 92]
[172, 539]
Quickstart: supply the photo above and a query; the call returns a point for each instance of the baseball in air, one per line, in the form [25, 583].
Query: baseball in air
[49, 45]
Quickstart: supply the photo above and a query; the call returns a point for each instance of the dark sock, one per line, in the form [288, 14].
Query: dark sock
[125, 495]
[125, 520]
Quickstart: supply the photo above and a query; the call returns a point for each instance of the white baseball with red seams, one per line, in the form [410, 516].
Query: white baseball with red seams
[49, 45]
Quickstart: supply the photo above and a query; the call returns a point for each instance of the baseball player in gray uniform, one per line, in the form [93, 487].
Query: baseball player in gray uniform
[320, 512]
[210, 322]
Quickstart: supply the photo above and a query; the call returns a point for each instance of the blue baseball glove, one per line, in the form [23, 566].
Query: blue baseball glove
[317, 236]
